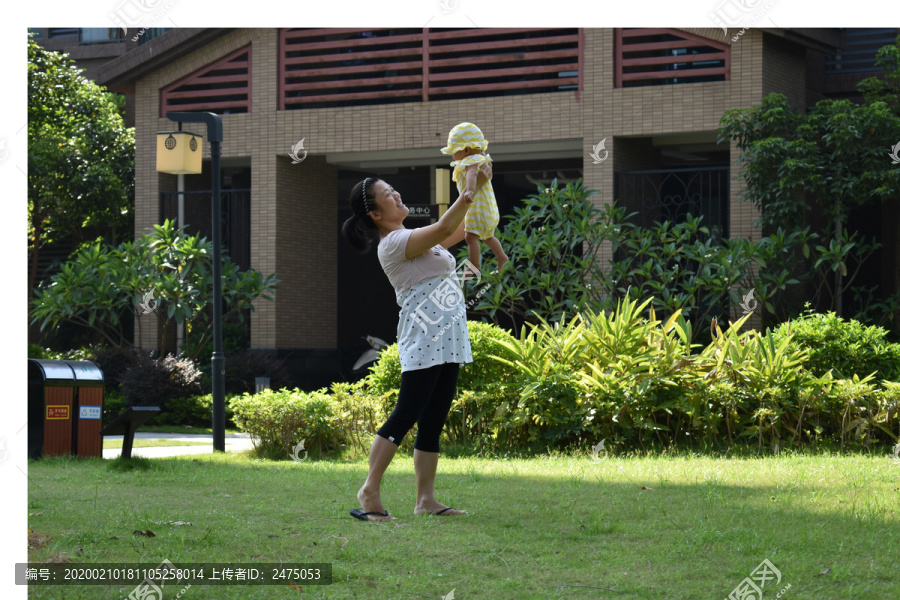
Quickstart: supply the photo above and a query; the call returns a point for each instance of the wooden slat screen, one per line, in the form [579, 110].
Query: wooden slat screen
[492, 62]
[222, 87]
[321, 67]
[663, 56]
[328, 67]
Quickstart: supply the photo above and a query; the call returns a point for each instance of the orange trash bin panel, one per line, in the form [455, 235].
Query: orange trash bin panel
[89, 403]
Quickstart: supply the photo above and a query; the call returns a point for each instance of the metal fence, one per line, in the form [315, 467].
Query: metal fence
[198, 216]
[671, 194]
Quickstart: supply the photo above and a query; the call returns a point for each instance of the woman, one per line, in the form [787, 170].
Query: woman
[432, 334]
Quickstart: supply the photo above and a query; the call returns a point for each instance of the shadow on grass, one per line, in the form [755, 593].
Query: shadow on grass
[135, 463]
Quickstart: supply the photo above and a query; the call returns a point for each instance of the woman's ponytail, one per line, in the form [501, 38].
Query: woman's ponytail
[360, 230]
[359, 233]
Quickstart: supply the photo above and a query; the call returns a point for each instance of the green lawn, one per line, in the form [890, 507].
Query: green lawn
[550, 527]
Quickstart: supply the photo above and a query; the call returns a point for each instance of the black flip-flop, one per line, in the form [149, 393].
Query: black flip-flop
[440, 512]
[357, 513]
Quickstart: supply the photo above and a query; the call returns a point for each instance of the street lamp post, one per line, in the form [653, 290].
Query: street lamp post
[214, 134]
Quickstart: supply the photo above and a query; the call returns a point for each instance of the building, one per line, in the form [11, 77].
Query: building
[381, 102]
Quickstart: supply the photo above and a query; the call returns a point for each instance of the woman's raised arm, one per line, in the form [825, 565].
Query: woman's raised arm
[423, 238]
[455, 237]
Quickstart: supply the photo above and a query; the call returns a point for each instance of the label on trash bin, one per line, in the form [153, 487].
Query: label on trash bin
[57, 412]
[89, 412]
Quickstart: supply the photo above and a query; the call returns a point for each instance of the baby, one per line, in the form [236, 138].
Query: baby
[467, 146]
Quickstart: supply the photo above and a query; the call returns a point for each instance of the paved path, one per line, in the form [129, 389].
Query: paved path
[234, 442]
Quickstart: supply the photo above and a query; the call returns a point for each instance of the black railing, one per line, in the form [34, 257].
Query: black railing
[671, 194]
[198, 216]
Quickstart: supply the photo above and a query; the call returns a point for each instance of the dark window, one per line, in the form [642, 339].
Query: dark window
[97, 35]
[62, 32]
[860, 47]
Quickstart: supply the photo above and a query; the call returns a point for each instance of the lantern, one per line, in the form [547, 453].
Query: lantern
[179, 152]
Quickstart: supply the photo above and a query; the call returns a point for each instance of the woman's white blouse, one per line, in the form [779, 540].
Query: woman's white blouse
[432, 329]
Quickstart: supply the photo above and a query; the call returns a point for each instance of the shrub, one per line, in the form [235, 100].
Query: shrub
[151, 382]
[359, 413]
[195, 411]
[114, 363]
[888, 398]
[853, 401]
[597, 372]
[846, 346]
[547, 407]
[629, 378]
[553, 239]
[473, 416]
[114, 404]
[485, 339]
[384, 374]
[278, 419]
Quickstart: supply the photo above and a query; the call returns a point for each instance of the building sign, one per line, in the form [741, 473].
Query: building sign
[57, 413]
[423, 211]
[89, 412]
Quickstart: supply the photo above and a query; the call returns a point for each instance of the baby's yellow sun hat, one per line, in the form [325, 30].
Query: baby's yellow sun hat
[465, 135]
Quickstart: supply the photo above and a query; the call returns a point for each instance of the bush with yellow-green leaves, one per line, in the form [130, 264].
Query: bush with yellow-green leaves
[627, 377]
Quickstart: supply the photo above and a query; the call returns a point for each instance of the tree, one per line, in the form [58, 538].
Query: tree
[554, 238]
[680, 265]
[886, 90]
[80, 158]
[835, 156]
[163, 275]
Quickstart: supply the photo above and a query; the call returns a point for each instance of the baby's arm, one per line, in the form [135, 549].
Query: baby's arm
[485, 174]
[471, 181]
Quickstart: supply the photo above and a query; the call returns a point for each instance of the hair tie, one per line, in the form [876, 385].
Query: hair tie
[365, 200]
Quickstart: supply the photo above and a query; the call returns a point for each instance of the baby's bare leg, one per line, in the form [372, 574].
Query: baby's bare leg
[494, 244]
[474, 244]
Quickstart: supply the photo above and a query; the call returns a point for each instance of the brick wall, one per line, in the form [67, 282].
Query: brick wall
[306, 253]
[784, 69]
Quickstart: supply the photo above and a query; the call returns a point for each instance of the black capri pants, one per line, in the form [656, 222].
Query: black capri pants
[425, 397]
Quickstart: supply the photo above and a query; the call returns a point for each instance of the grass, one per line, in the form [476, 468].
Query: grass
[139, 443]
[550, 527]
